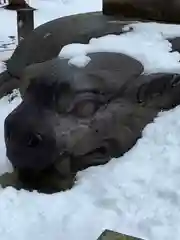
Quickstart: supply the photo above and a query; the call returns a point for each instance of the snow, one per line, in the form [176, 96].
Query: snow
[79, 61]
[137, 194]
[49, 10]
[6, 44]
[146, 43]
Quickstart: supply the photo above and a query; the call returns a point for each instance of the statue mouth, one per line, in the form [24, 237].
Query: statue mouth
[98, 156]
[100, 152]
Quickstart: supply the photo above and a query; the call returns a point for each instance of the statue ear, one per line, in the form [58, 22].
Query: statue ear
[35, 71]
[28, 74]
[149, 86]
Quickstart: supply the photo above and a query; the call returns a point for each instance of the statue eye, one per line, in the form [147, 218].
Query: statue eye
[85, 108]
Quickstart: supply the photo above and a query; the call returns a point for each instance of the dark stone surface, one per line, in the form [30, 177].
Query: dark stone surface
[175, 44]
[111, 235]
[25, 22]
[16, 6]
[156, 10]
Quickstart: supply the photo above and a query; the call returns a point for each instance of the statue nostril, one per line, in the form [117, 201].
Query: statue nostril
[34, 140]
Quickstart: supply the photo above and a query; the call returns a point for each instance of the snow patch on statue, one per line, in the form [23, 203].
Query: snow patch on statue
[146, 42]
[79, 61]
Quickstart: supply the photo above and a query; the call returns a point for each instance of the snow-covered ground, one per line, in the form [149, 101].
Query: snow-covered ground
[137, 194]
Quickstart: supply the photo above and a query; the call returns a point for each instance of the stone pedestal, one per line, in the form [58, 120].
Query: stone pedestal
[25, 22]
